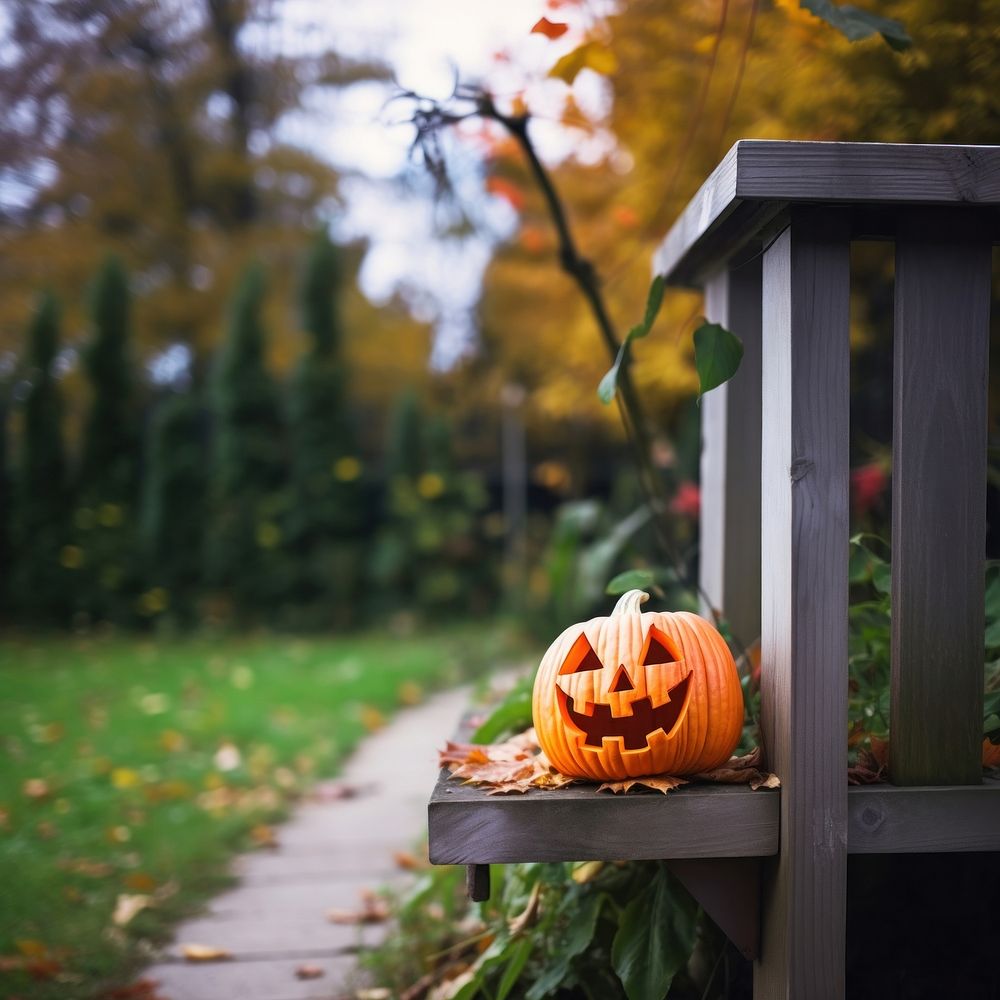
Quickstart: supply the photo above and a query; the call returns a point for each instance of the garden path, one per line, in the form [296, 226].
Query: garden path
[274, 921]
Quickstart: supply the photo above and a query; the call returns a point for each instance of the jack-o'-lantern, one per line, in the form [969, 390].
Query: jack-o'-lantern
[638, 693]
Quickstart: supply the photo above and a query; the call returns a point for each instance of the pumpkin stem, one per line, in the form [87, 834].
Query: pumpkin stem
[630, 603]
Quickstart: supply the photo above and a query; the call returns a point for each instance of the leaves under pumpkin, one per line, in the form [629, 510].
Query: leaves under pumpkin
[518, 765]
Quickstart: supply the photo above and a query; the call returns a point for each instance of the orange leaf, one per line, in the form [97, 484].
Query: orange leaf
[309, 972]
[658, 783]
[503, 188]
[991, 754]
[550, 29]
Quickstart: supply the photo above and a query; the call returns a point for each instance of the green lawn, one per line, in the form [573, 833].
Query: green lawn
[134, 767]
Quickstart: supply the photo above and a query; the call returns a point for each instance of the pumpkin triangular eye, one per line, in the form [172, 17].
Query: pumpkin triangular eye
[658, 648]
[581, 657]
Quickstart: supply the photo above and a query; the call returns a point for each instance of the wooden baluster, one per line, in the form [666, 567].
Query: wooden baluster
[730, 459]
[941, 346]
[806, 385]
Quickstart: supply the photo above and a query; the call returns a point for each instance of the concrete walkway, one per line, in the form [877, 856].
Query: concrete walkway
[274, 922]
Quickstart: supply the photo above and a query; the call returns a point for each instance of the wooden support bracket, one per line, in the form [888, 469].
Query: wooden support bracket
[477, 882]
[728, 890]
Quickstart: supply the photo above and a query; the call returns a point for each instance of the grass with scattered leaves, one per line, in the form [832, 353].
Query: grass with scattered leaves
[133, 769]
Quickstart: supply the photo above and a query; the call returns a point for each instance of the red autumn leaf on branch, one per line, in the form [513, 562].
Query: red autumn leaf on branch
[505, 189]
[550, 29]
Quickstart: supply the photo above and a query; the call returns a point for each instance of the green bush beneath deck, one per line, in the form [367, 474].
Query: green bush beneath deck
[138, 767]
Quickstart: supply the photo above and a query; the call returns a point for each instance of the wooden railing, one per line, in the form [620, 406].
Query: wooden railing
[768, 238]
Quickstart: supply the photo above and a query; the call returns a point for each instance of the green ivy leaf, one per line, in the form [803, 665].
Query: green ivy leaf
[640, 579]
[717, 355]
[855, 24]
[654, 939]
[583, 910]
[512, 716]
[515, 964]
[609, 384]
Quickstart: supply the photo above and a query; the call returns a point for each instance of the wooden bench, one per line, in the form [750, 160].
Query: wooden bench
[768, 238]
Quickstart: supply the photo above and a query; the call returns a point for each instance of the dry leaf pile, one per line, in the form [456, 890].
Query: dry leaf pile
[518, 765]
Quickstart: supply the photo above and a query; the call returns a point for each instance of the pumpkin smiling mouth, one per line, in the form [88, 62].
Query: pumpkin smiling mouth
[599, 724]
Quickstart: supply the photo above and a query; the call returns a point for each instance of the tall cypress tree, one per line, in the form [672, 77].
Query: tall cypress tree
[327, 515]
[40, 582]
[174, 508]
[246, 556]
[107, 482]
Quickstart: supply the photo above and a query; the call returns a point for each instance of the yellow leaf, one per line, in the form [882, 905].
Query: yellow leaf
[204, 953]
[586, 872]
[127, 906]
[31, 948]
[590, 55]
[125, 777]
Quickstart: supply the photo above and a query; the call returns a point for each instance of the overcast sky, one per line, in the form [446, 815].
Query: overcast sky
[426, 43]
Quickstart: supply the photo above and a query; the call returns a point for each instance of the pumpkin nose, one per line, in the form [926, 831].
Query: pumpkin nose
[621, 682]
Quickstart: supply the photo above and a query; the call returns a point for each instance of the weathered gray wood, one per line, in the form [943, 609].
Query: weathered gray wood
[468, 826]
[757, 179]
[729, 558]
[940, 369]
[804, 596]
[888, 819]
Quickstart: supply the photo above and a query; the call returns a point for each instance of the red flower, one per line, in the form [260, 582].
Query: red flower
[687, 500]
[868, 483]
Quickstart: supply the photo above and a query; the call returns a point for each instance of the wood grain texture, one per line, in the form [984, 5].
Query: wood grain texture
[468, 826]
[804, 535]
[940, 369]
[758, 179]
[729, 550]
[888, 819]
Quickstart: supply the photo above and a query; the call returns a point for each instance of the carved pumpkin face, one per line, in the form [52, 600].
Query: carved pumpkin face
[637, 694]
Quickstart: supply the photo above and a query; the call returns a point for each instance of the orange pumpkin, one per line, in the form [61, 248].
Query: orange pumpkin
[636, 694]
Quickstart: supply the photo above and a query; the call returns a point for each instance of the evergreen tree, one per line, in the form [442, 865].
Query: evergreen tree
[43, 563]
[245, 552]
[327, 517]
[174, 509]
[107, 482]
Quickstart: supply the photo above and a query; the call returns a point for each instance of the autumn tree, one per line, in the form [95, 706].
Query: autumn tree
[249, 470]
[40, 509]
[327, 512]
[152, 128]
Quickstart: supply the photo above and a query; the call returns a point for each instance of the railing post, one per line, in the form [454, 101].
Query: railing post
[729, 558]
[940, 370]
[804, 539]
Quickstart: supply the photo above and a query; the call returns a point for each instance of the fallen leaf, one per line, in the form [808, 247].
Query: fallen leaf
[374, 993]
[140, 882]
[333, 791]
[127, 906]
[141, 989]
[31, 947]
[991, 754]
[125, 777]
[371, 718]
[658, 783]
[309, 972]
[409, 861]
[867, 771]
[745, 770]
[85, 866]
[204, 953]
[374, 910]
[227, 757]
[880, 751]
[36, 788]
[263, 835]
[550, 29]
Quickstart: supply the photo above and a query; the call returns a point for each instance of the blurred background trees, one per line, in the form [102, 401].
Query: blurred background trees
[301, 463]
